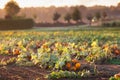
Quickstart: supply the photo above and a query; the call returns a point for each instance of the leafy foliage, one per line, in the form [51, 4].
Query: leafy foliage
[68, 74]
[12, 8]
[56, 16]
[98, 15]
[67, 17]
[59, 53]
[54, 51]
[16, 24]
[76, 15]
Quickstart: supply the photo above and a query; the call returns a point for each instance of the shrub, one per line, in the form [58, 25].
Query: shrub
[16, 24]
[111, 24]
[114, 24]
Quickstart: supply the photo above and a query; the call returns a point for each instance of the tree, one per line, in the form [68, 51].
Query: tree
[104, 15]
[118, 5]
[89, 17]
[76, 15]
[34, 16]
[67, 17]
[11, 8]
[56, 16]
[98, 15]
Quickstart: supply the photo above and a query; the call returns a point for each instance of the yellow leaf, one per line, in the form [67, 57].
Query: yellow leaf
[94, 44]
[19, 43]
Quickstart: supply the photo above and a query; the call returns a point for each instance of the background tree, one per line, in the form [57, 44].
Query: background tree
[104, 15]
[89, 17]
[11, 8]
[118, 5]
[67, 17]
[76, 15]
[34, 16]
[56, 16]
[98, 15]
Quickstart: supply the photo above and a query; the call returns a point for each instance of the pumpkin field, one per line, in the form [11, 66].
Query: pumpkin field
[60, 55]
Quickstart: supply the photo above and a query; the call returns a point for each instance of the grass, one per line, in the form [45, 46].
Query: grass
[75, 28]
[72, 28]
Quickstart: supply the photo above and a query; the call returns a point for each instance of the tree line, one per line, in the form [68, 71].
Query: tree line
[76, 15]
[12, 8]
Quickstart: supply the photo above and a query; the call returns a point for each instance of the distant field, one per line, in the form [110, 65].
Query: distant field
[70, 28]
[74, 28]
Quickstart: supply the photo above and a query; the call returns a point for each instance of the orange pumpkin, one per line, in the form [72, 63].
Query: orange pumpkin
[77, 65]
[68, 65]
[117, 52]
[16, 52]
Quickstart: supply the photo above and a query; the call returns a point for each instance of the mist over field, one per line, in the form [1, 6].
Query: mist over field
[45, 14]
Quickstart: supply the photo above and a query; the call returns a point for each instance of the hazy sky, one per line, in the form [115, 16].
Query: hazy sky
[47, 3]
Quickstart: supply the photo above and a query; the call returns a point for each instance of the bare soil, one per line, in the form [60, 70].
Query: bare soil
[14, 72]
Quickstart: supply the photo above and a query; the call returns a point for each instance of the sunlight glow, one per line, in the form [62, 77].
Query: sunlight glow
[47, 3]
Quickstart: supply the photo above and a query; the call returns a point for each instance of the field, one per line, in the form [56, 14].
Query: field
[57, 53]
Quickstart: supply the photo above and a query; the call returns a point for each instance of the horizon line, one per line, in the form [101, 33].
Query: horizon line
[64, 6]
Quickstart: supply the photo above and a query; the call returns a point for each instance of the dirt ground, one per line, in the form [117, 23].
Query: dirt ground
[14, 72]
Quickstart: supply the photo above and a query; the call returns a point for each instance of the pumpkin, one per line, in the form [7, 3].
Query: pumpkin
[68, 65]
[16, 52]
[117, 52]
[117, 76]
[77, 65]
